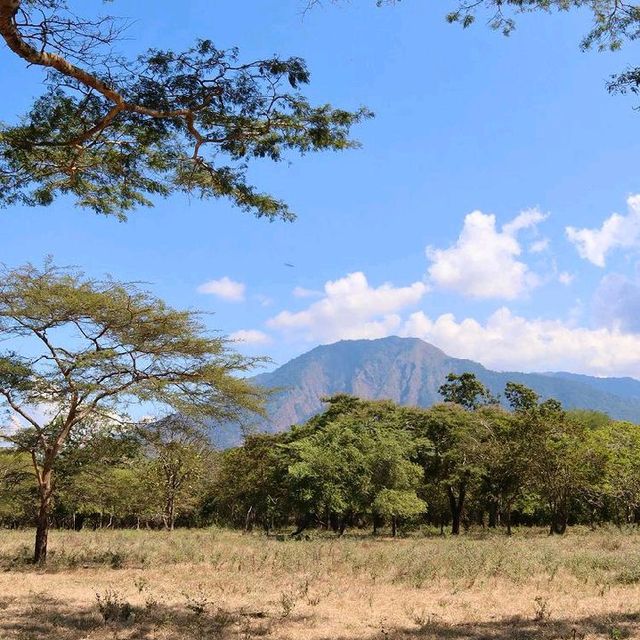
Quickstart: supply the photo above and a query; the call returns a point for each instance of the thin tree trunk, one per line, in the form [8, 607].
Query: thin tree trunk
[42, 522]
[169, 513]
[248, 521]
[394, 526]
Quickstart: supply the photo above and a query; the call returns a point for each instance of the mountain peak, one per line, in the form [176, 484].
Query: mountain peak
[410, 371]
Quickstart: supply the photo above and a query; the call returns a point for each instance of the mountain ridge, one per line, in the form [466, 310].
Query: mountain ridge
[410, 371]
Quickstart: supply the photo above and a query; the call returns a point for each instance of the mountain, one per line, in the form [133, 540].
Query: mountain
[410, 371]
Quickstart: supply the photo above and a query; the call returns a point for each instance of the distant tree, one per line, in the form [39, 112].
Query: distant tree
[506, 452]
[97, 473]
[113, 132]
[345, 458]
[563, 466]
[17, 497]
[251, 484]
[181, 456]
[397, 504]
[454, 460]
[520, 397]
[466, 390]
[88, 349]
[618, 445]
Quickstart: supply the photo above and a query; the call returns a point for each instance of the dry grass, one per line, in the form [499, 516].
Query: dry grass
[121, 585]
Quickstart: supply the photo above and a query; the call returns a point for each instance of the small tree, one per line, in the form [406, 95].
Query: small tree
[397, 504]
[180, 454]
[466, 390]
[78, 350]
[454, 460]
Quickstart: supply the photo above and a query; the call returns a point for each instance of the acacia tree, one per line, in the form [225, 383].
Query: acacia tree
[112, 132]
[614, 22]
[87, 350]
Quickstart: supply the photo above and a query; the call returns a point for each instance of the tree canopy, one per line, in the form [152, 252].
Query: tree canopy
[76, 352]
[113, 132]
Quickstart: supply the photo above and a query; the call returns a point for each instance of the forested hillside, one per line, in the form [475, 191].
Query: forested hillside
[410, 372]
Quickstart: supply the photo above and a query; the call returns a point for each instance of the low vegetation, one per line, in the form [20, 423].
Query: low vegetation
[213, 583]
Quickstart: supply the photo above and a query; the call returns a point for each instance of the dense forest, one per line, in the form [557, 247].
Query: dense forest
[367, 465]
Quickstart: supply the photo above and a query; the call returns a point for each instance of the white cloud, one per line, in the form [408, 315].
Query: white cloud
[539, 245]
[506, 341]
[350, 308]
[566, 278]
[224, 288]
[617, 231]
[483, 262]
[250, 336]
[265, 301]
[302, 292]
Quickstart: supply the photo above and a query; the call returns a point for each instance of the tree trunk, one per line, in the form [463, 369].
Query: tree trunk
[493, 514]
[301, 525]
[169, 513]
[507, 518]
[248, 521]
[394, 526]
[456, 504]
[559, 517]
[42, 522]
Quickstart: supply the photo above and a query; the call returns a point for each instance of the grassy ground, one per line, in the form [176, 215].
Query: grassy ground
[121, 585]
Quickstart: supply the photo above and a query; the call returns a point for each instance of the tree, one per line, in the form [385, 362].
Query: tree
[563, 465]
[506, 451]
[614, 21]
[113, 133]
[397, 504]
[466, 390]
[347, 457]
[181, 456]
[453, 462]
[16, 488]
[251, 484]
[520, 398]
[90, 348]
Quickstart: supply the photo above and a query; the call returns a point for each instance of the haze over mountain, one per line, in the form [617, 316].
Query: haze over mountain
[410, 371]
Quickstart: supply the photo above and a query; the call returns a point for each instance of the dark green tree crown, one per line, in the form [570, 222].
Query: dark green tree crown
[112, 133]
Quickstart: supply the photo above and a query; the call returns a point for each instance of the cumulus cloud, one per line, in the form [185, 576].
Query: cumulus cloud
[507, 341]
[350, 308]
[250, 336]
[483, 263]
[616, 303]
[224, 288]
[617, 231]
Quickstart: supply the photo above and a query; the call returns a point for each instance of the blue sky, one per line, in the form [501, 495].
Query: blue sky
[397, 237]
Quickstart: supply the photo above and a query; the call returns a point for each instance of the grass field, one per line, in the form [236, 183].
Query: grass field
[218, 584]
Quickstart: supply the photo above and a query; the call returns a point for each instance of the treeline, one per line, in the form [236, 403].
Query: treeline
[364, 464]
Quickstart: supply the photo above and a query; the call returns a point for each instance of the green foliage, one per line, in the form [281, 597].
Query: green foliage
[466, 390]
[397, 503]
[88, 349]
[165, 122]
[358, 464]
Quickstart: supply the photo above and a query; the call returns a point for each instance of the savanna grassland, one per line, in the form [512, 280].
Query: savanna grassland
[219, 584]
